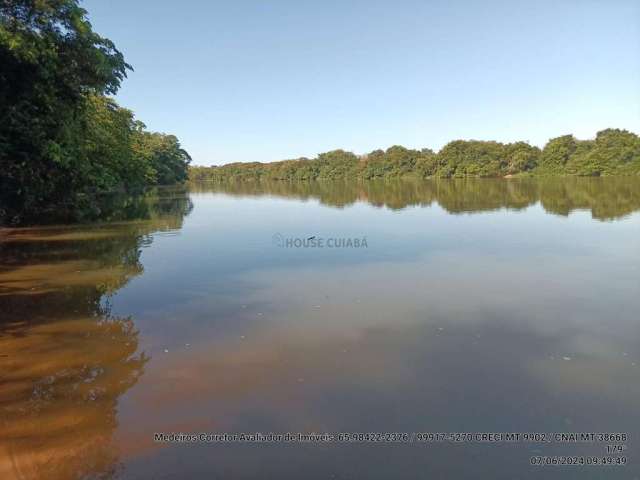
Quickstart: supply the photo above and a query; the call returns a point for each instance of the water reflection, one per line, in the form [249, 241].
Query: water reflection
[65, 359]
[512, 319]
[606, 198]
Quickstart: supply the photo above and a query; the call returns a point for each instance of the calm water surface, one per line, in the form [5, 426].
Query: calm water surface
[476, 306]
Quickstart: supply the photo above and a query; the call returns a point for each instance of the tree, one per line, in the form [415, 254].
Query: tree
[337, 164]
[62, 141]
[426, 163]
[520, 157]
[613, 152]
[556, 153]
[51, 59]
[166, 160]
[471, 158]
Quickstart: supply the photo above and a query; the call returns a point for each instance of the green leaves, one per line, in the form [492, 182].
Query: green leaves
[61, 140]
[613, 152]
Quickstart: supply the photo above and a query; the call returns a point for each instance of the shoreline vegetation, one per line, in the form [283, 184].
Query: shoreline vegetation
[612, 152]
[64, 142]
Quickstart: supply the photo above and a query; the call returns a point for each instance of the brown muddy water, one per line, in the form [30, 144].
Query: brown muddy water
[452, 306]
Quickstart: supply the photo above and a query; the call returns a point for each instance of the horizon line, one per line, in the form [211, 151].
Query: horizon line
[361, 155]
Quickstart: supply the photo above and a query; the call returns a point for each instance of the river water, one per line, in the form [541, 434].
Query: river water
[399, 307]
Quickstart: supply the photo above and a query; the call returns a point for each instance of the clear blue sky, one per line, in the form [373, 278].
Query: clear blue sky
[265, 80]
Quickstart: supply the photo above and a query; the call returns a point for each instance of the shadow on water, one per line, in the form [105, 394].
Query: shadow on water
[606, 198]
[64, 358]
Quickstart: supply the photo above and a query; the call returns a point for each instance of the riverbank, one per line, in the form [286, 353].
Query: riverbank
[613, 152]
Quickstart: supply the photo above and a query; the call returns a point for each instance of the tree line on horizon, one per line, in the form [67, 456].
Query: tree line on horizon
[612, 152]
[63, 140]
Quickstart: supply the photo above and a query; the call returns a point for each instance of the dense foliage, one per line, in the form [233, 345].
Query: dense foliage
[62, 140]
[613, 152]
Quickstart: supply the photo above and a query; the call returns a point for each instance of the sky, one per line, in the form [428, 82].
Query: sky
[258, 80]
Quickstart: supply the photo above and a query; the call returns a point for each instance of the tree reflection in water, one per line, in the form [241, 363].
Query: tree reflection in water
[64, 358]
[607, 198]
